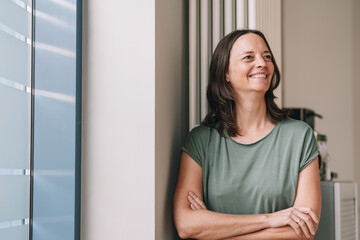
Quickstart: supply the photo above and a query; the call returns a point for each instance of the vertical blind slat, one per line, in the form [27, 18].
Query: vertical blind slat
[192, 62]
[252, 14]
[227, 16]
[216, 22]
[204, 47]
[241, 10]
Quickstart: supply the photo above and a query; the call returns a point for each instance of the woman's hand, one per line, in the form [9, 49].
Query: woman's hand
[301, 219]
[195, 202]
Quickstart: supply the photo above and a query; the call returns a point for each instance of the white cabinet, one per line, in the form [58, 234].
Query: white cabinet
[339, 213]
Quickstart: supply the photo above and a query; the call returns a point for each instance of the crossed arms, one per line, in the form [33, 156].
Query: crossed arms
[193, 220]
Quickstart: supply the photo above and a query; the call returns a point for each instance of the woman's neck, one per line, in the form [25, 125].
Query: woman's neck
[251, 113]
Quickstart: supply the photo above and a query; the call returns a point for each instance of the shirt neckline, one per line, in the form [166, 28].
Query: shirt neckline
[260, 140]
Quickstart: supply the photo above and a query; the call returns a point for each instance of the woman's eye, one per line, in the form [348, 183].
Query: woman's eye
[268, 57]
[247, 58]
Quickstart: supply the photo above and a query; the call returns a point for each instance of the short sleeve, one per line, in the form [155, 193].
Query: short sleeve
[195, 144]
[309, 150]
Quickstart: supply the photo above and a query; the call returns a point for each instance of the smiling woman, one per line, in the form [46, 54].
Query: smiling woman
[248, 171]
[232, 60]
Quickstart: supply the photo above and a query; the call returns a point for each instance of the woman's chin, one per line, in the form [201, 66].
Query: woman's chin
[261, 88]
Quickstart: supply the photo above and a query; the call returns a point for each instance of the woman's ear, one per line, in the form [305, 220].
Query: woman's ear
[227, 77]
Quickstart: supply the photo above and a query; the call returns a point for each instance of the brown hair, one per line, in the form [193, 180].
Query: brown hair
[222, 112]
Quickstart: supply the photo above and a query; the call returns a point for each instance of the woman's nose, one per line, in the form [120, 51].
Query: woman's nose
[260, 62]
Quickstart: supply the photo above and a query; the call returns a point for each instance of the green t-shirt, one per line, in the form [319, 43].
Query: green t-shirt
[254, 178]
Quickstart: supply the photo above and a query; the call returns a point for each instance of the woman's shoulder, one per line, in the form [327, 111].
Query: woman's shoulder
[203, 132]
[296, 126]
[200, 130]
[196, 143]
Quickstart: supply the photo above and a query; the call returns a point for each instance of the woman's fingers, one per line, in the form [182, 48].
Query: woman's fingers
[193, 204]
[307, 220]
[301, 225]
[310, 212]
[303, 220]
[296, 227]
[197, 200]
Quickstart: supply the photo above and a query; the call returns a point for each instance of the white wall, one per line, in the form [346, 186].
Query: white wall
[171, 110]
[118, 120]
[318, 70]
[356, 95]
[127, 131]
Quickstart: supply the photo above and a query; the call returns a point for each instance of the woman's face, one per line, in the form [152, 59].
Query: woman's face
[250, 66]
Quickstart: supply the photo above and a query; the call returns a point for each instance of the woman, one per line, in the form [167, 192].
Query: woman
[249, 171]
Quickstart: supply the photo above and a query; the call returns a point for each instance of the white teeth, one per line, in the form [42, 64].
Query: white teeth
[258, 76]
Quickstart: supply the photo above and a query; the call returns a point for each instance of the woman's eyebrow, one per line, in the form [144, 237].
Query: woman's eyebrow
[248, 52]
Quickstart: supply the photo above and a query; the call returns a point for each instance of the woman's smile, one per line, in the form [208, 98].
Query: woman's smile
[259, 75]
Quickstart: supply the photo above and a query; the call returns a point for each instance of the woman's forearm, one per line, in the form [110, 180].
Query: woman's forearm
[300, 223]
[272, 234]
[205, 224]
